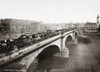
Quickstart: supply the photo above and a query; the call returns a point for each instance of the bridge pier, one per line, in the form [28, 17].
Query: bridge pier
[65, 52]
[75, 41]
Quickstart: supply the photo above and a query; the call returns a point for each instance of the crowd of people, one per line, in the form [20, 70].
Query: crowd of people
[10, 45]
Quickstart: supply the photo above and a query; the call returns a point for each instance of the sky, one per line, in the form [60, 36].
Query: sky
[51, 11]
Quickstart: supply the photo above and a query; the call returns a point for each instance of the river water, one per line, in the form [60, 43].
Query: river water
[83, 57]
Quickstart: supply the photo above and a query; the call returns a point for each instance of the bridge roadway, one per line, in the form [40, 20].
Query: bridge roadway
[27, 55]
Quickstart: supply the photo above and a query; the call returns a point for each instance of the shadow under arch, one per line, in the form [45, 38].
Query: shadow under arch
[49, 51]
[68, 40]
[76, 35]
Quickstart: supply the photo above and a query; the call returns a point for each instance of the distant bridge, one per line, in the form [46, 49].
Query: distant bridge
[42, 49]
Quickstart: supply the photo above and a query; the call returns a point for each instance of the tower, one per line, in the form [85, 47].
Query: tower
[97, 19]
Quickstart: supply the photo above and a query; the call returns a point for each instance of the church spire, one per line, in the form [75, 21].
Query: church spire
[97, 19]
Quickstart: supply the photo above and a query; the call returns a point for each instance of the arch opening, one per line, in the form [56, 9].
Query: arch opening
[76, 35]
[68, 40]
[49, 51]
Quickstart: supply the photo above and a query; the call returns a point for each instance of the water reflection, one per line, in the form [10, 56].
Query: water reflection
[49, 63]
[84, 40]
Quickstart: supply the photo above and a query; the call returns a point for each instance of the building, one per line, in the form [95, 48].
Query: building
[16, 27]
[90, 26]
[20, 26]
[98, 21]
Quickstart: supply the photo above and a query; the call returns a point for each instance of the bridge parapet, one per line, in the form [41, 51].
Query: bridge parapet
[28, 49]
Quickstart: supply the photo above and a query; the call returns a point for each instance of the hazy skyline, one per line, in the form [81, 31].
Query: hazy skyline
[51, 11]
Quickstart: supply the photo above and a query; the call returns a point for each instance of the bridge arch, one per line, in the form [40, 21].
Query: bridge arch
[76, 35]
[68, 40]
[48, 51]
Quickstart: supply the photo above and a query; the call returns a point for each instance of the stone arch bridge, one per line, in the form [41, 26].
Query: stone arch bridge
[44, 48]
